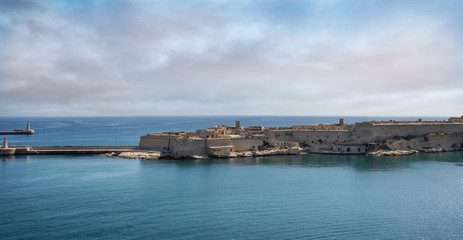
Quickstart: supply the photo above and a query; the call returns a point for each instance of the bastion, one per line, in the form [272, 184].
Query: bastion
[371, 138]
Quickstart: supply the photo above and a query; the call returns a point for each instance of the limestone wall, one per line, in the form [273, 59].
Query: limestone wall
[330, 127]
[456, 119]
[155, 142]
[188, 148]
[354, 140]
[284, 143]
[368, 132]
[240, 144]
[244, 144]
[309, 137]
[220, 151]
[349, 149]
[215, 142]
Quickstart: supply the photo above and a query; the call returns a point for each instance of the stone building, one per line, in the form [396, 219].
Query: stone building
[358, 138]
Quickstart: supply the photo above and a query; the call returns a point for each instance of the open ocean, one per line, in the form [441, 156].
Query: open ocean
[277, 197]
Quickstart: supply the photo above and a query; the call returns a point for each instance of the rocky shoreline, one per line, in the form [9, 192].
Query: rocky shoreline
[155, 155]
[392, 153]
[407, 152]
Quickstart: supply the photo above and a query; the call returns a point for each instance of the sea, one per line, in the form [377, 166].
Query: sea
[309, 196]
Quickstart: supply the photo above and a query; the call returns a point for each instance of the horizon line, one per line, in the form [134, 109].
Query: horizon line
[231, 115]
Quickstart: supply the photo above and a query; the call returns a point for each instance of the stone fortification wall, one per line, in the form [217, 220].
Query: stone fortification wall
[188, 148]
[314, 140]
[156, 142]
[285, 144]
[309, 137]
[456, 119]
[215, 142]
[244, 144]
[222, 151]
[240, 144]
[329, 127]
[349, 148]
[355, 139]
[371, 132]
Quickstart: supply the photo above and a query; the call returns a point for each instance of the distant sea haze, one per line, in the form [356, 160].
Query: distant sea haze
[100, 131]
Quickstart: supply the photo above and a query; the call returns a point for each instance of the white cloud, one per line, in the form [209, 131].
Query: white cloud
[145, 58]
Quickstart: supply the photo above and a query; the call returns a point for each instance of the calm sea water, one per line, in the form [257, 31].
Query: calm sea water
[279, 197]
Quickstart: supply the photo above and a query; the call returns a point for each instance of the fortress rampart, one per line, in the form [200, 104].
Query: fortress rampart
[337, 138]
[375, 131]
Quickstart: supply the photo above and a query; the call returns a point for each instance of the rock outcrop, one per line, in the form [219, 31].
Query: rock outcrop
[152, 155]
[426, 143]
[392, 153]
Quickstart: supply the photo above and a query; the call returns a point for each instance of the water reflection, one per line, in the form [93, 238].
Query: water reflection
[357, 162]
[8, 158]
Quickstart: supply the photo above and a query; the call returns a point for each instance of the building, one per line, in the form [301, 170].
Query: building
[340, 138]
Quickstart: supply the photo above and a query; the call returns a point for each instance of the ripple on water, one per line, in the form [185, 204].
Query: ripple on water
[281, 197]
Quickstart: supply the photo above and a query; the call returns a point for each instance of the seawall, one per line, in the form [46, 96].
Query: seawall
[69, 150]
[21, 132]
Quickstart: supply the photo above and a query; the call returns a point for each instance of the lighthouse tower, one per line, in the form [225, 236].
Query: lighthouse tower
[5, 143]
[28, 129]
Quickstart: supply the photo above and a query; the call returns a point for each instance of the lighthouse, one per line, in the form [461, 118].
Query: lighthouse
[5, 150]
[28, 129]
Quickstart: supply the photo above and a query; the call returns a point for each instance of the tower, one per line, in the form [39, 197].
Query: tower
[28, 126]
[341, 122]
[5, 143]
[237, 127]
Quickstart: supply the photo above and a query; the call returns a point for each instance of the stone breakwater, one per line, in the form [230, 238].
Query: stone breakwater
[65, 150]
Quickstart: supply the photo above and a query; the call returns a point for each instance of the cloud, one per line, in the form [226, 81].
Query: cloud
[230, 57]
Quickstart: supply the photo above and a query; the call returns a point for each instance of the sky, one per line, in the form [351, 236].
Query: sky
[224, 57]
